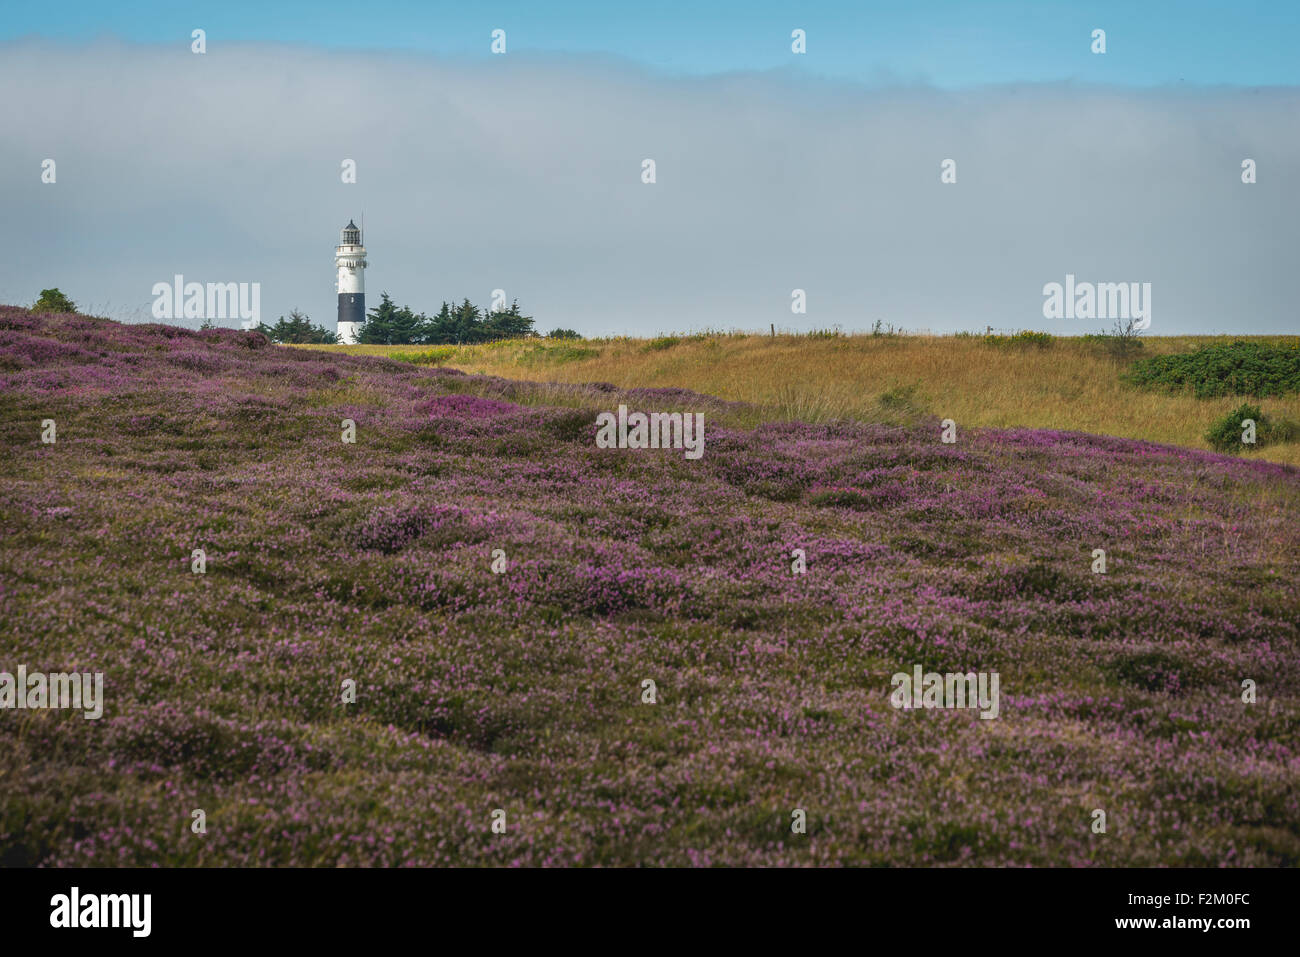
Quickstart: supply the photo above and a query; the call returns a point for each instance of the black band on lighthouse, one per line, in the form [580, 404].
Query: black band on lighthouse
[352, 307]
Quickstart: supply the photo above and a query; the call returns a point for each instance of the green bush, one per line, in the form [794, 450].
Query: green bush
[1256, 369]
[1026, 337]
[661, 343]
[1225, 434]
[53, 301]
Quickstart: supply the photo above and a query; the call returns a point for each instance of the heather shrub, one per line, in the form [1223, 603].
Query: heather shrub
[856, 499]
[200, 361]
[520, 685]
[19, 350]
[392, 528]
[1153, 670]
[1036, 581]
[578, 425]
[465, 407]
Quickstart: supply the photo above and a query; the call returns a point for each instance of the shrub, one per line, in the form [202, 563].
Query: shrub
[1156, 671]
[563, 334]
[1225, 434]
[1256, 369]
[577, 425]
[53, 301]
[859, 500]
[1026, 337]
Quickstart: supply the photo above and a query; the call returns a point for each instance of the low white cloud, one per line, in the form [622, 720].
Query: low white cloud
[524, 173]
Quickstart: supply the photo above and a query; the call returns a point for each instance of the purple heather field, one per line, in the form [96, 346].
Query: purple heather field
[522, 691]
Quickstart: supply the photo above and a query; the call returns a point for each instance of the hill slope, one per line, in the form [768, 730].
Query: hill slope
[1070, 384]
[522, 691]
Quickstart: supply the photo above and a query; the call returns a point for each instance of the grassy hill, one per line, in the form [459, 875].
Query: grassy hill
[329, 562]
[1071, 384]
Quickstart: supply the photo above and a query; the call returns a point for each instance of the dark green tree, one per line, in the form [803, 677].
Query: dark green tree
[389, 325]
[467, 323]
[378, 328]
[442, 327]
[410, 327]
[297, 329]
[508, 324]
[452, 325]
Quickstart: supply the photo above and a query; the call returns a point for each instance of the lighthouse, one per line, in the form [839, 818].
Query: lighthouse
[350, 257]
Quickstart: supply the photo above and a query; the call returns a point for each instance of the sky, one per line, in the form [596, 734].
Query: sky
[775, 171]
[947, 43]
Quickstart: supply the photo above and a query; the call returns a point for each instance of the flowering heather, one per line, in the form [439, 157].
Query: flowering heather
[372, 561]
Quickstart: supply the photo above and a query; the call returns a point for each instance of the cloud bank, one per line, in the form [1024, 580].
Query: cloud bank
[524, 173]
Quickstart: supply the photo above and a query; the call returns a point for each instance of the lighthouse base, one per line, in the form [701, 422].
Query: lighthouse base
[352, 314]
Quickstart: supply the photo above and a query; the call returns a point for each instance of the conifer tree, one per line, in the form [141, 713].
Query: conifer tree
[297, 329]
[378, 327]
[508, 324]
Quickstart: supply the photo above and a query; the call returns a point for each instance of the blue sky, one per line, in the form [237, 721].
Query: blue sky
[946, 43]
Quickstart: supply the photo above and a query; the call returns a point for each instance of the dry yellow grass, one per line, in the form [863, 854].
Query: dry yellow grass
[1070, 384]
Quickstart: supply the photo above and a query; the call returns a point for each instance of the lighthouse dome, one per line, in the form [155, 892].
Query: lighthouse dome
[351, 235]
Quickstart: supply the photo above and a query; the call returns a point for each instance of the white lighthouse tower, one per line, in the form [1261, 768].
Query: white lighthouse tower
[350, 257]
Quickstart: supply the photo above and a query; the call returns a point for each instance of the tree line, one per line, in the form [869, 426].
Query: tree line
[464, 324]
[389, 324]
